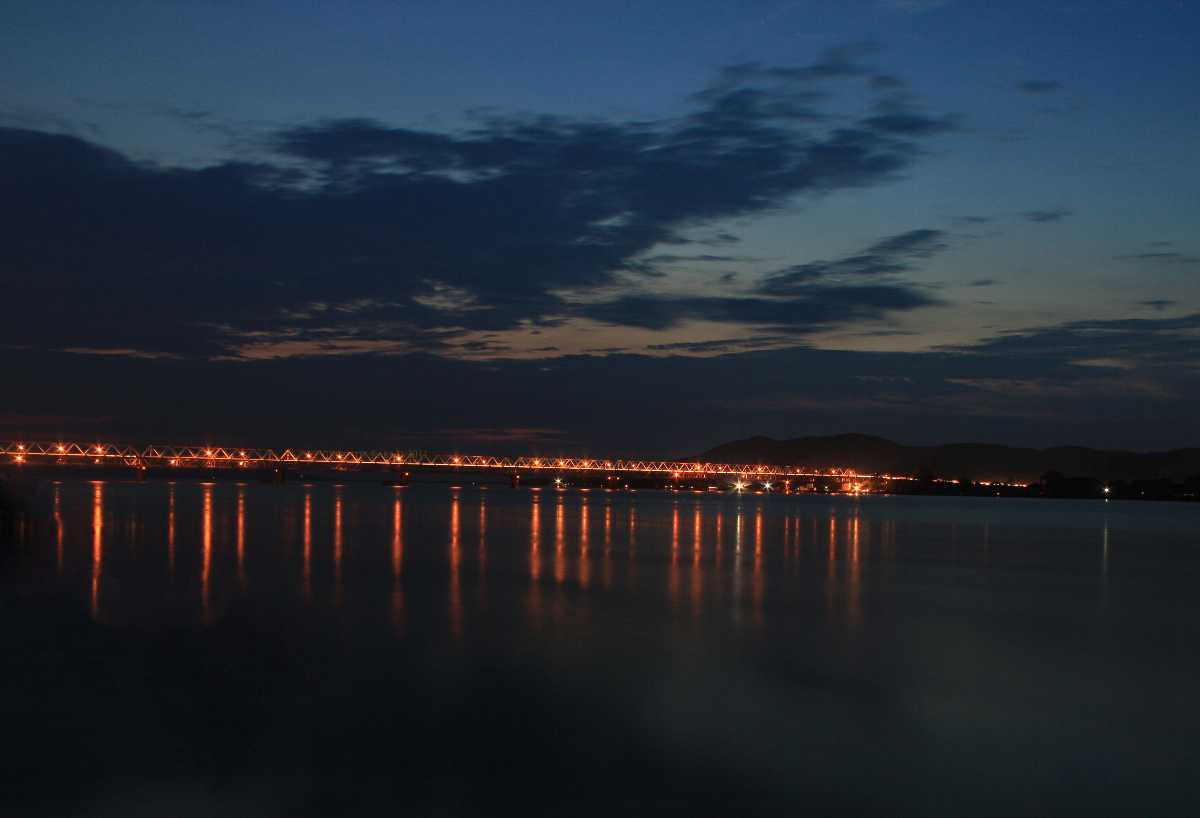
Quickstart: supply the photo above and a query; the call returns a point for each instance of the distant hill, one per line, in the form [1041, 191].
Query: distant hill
[977, 461]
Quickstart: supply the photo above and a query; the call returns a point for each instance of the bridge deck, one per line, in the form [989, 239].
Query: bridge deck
[66, 453]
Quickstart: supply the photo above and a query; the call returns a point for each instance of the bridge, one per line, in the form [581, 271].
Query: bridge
[67, 453]
[691, 473]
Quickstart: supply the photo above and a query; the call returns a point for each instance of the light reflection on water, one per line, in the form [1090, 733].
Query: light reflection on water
[58, 528]
[97, 544]
[818, 639]
[307, 547]
[206, 551]
[456, 608]
[208, 529]
[397, 599]
[241, 537]
[339, 589]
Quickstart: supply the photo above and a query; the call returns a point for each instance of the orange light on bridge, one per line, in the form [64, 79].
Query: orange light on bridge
[20, 458]
[308, 455]
[454, 459]
[208, 452]
[20, 447]
[61, 447]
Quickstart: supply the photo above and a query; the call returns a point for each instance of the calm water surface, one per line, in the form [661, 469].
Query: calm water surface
[223, 649]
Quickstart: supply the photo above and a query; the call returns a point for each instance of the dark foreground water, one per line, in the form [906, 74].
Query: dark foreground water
[244, 650]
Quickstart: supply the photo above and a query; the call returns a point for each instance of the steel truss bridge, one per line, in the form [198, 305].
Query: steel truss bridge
[109, 454]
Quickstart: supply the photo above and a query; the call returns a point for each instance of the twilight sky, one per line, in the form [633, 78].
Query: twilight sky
[622, 228]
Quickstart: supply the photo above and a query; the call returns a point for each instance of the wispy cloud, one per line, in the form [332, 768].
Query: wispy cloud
[1038, 87]
[1169, 258]
[888, 256]
[1047, 216]
[915, 5]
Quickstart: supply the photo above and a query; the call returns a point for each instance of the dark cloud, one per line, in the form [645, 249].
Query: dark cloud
[1158, 304]
[889, 256]
[1047, 216]
[723, 345]
[1166, 258]
[983, 282]
[353, 236]
[809, 308]
[1038, 87]
[838, 63]
[910, 123]
[1167, 346]
[670, 258]
[1126, 383]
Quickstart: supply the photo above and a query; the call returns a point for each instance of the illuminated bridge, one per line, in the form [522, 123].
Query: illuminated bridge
[63, 453]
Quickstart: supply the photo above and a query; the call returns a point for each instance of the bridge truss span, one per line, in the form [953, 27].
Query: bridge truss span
[101, 453]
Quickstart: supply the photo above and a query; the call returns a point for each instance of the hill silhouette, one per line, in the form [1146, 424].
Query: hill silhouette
[976, 461]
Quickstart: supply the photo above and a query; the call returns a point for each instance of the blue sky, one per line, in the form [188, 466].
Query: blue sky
[669, 185]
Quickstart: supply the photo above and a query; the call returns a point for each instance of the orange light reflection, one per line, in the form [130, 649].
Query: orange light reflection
[585, 566]
[97, 544]
[307, 554]
[455, 559]
[171, 530]
[206, 550]
[58, 527]
[337, 545]
[397, 563]
[560, 557]
[241, 537]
